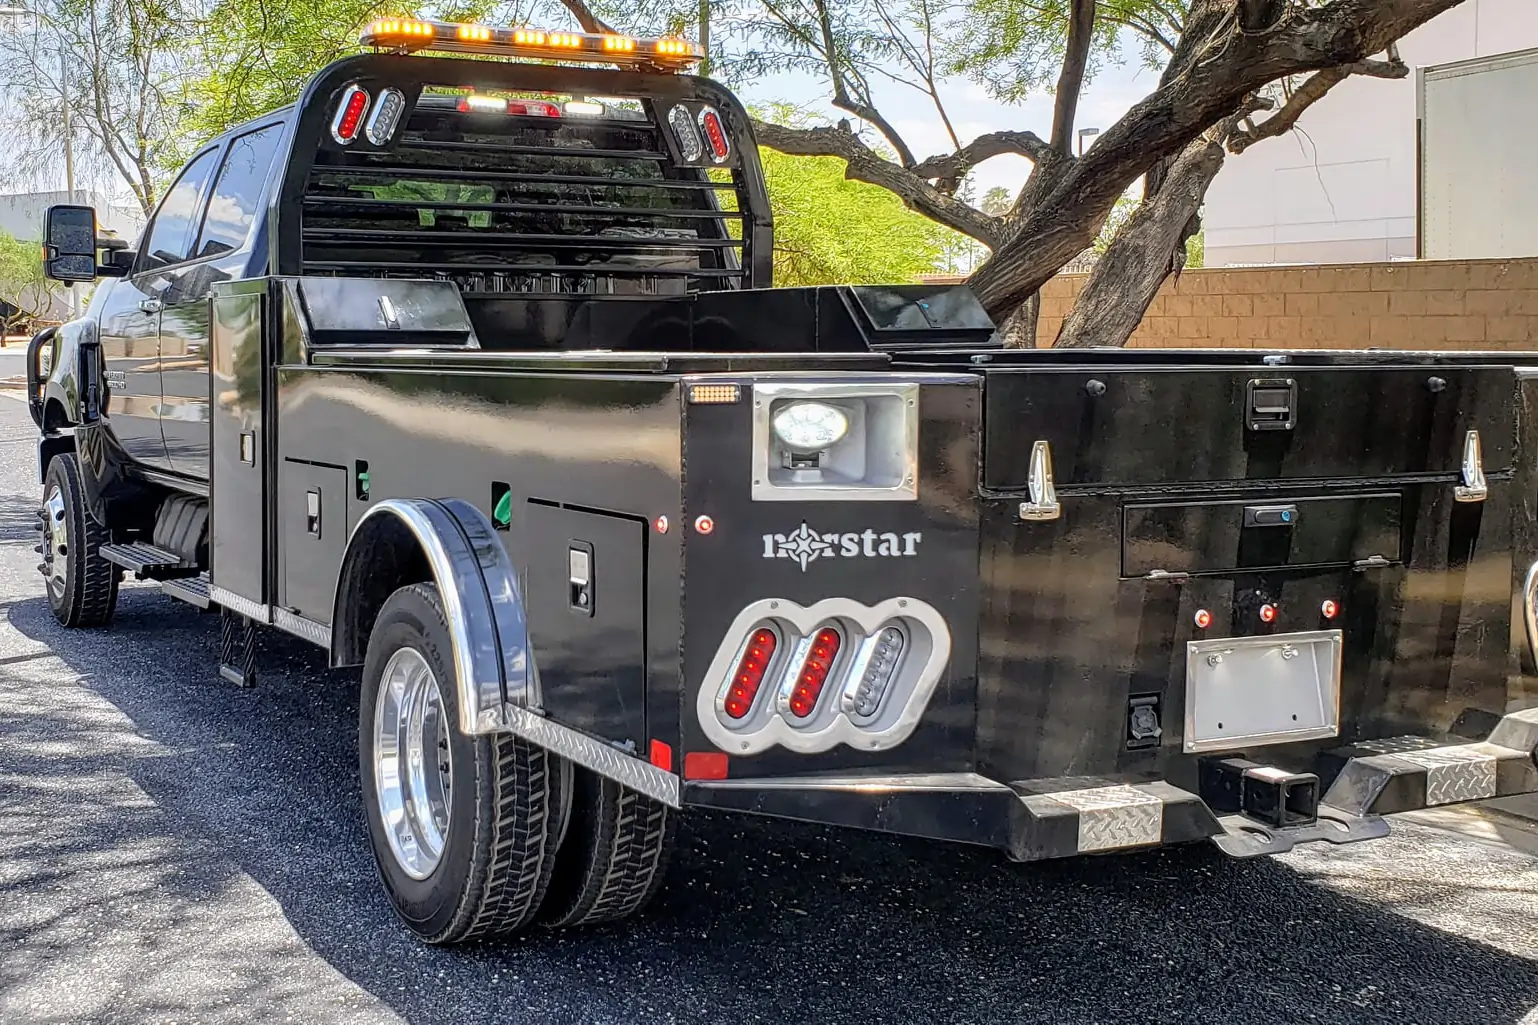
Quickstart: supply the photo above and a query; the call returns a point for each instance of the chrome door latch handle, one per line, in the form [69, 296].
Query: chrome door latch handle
[150, 305]
[1473, 488]
[1043, 504]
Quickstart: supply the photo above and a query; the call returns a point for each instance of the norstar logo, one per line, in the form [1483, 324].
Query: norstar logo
[806, 546]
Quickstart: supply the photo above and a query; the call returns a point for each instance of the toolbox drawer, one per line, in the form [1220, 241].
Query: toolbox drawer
[1251, 534]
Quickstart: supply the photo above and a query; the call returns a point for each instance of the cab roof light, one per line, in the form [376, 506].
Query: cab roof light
[406, 34]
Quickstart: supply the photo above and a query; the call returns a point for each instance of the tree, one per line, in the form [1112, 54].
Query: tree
[119, 62]
[829, 229]
[25, 294]
[1225, 63]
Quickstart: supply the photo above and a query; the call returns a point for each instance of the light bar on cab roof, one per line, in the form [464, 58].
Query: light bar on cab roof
[413, 34]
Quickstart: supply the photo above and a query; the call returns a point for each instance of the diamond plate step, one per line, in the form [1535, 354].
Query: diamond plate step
[192, 590]
[147, 560]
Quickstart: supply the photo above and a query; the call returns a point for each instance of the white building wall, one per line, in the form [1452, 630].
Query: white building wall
[21, 214]
[1341, 188]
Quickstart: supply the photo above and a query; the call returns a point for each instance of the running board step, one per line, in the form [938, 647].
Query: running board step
[148, 561]
[192, 590]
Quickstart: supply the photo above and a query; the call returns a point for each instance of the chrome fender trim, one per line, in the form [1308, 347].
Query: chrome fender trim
[459, 569]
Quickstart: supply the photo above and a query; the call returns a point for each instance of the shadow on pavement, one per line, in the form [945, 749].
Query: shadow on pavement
[759, 921]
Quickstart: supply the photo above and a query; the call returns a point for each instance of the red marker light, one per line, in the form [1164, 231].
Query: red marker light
[661, 523]
[533, 108]
[1268, 613]
[1330, 609]
[749, 676]
[819, 661]
[704, 525]
[1203, 619]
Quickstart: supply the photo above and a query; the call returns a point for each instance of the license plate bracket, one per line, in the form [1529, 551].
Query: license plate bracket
[1254, 691]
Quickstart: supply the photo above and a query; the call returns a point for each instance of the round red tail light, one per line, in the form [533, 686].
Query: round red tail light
[1330, 609]
[1268, 613]
[1203, 619]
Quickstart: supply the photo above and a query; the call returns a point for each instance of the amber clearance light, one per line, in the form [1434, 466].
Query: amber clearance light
[606, 47]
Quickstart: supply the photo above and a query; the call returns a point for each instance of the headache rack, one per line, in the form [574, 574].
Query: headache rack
[519, 203]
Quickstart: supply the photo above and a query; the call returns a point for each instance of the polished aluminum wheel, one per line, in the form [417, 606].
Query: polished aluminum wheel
[412, 762]
[55, 540]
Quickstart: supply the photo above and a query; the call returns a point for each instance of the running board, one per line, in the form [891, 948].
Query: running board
[147, 561]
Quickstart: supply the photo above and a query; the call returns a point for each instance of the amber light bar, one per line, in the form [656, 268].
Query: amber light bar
[413, 34]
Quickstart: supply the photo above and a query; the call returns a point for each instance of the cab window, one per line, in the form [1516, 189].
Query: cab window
[237, 191]
[169, 236]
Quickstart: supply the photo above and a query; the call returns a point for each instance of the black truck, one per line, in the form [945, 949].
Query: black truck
[469, 370]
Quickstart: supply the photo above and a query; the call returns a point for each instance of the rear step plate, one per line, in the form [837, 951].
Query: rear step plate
[192, 590]
[1249, 691]
[148, 560]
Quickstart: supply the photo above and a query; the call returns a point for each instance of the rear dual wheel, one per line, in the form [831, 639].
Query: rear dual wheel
[478, 837]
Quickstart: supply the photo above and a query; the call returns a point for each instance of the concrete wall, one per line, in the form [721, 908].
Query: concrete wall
[1483, 304]
[1342, 187]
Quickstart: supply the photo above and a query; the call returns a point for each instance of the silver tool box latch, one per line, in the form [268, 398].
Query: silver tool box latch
[1473, 488]
[1043, 504]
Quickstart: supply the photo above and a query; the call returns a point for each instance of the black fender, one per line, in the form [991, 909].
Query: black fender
[453, 544]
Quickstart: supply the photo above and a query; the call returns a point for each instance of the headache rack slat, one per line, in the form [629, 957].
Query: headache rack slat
[589, 270]
[539, 151]
[660, 213]
[393, 171]
[513, 240]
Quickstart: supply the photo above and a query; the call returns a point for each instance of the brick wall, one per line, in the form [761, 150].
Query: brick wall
[1483, 304]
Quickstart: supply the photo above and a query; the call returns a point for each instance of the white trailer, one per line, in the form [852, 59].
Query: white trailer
[1478, 151]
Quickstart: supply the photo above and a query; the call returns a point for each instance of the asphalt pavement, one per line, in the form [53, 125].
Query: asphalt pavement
[173, 850]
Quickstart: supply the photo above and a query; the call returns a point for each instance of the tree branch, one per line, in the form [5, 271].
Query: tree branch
[1081, 35]
[866, 165]
[984, 147]
[585, 16]
[1306, 95]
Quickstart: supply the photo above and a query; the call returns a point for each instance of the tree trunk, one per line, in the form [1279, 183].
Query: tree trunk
[1018, 331]
[1143, 254]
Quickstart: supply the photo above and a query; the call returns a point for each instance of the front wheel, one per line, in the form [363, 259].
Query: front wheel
[464, 829]
[82, 586]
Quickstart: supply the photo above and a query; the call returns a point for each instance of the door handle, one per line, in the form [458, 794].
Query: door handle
[151, 305]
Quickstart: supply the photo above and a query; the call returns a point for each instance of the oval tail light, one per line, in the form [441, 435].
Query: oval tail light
[820, 656]
[742, 691]
[386, 117]
[715, 134]
[349, 114]
[690, 146]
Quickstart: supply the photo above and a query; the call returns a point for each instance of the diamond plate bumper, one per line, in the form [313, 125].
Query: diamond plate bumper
[1381, 777]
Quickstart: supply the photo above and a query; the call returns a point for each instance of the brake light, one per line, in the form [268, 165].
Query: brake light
[750, 673]
[1268, 613]
[715, 134]
[814, 672]
[349, 114]
[533, 108]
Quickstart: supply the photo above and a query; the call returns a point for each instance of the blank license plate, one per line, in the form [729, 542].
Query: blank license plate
[1251, 691]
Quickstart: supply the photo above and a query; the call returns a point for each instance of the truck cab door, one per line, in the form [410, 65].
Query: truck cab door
[131, 323]
[221, 251]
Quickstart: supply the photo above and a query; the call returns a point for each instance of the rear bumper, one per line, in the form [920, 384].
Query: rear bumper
[1041, 819]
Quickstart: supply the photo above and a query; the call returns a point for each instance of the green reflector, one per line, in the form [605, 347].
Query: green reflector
[363, 480]
[503, 513]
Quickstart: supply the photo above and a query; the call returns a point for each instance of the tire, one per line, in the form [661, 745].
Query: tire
[503, 801]
[614, 857]
[82, 586]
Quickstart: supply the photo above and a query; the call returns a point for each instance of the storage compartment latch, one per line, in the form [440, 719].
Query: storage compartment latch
[1271, 405]
[1043, 504]
[1473, 488]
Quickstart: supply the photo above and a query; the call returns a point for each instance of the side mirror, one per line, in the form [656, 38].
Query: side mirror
[69, 243]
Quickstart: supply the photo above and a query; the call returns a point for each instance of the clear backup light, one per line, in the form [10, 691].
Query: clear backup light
[482, 104]
[879, 659]
[690, 145]
[584, 108]
[387, 114]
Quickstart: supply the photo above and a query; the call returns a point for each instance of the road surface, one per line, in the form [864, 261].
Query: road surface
[173, 850]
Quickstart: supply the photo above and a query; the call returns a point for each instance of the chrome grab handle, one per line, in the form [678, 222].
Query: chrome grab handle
[1473, 488]
[150, 305]
[1043, 504]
